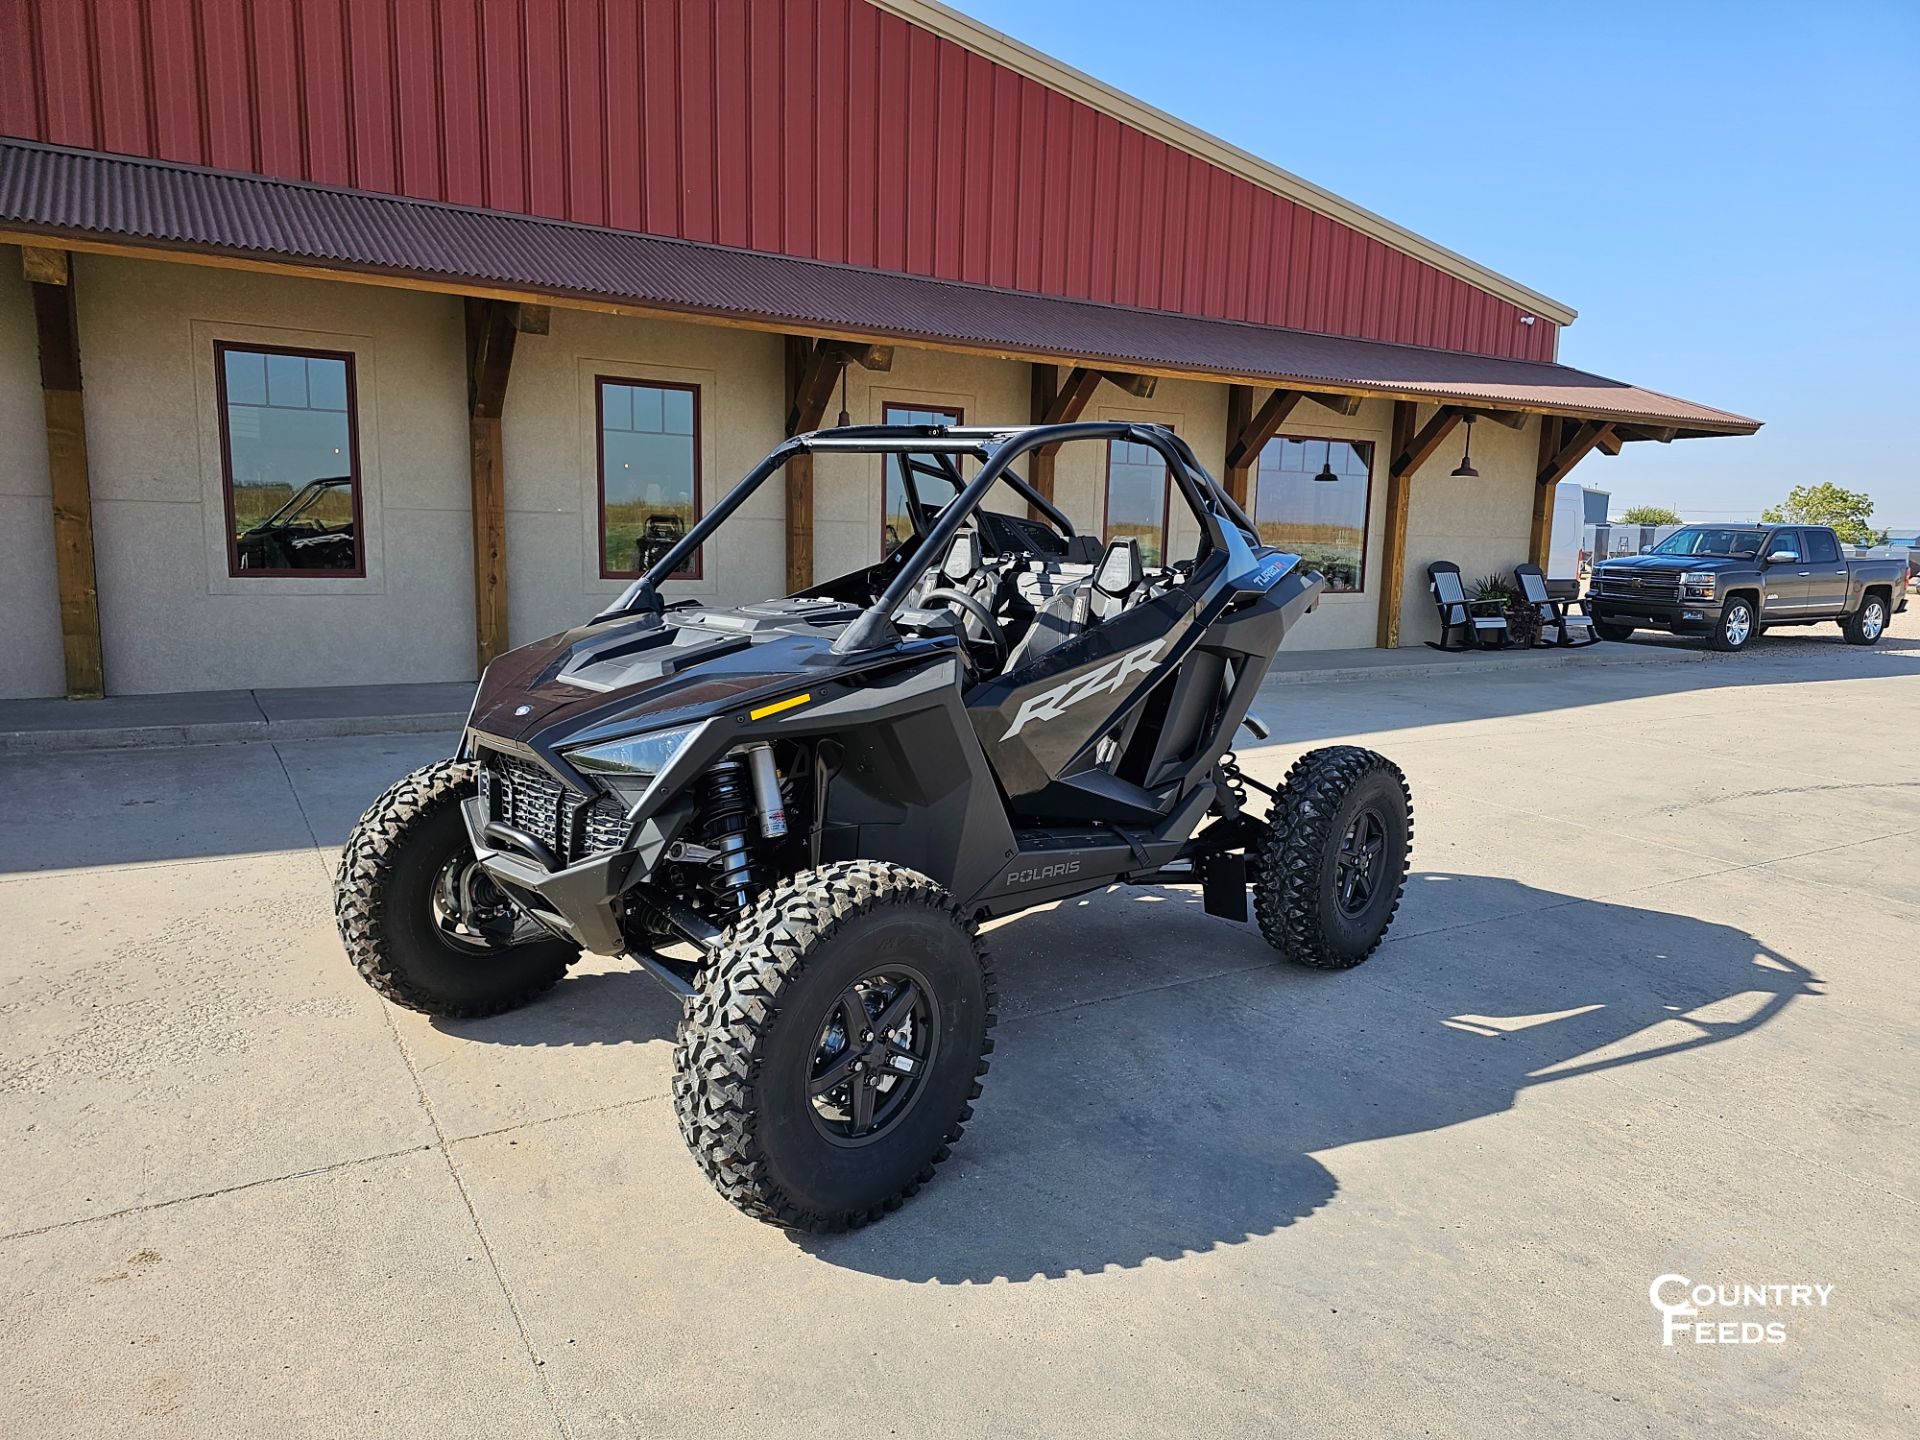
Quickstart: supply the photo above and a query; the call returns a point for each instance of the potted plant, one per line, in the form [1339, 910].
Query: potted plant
[1523, 621]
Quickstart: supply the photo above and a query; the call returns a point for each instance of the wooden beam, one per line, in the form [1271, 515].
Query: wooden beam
[1609, 442]
[1393, 558]
[530, 319]
[492, 328]
[1244, 448]
[69, 487]
[1418, 450]
[1071, 397]
[43, 266]
[1339, 404]
[1540, 537]
[1239, 417]
[1043, 391]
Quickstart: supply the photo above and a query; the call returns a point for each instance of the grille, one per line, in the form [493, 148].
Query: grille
[522, 796]
[1632, 586]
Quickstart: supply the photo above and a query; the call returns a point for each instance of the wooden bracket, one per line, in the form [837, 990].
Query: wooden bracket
[1141, 387]
[1243, 449]
[1418, 450]
[1568, 449]
[69, 485]
[1512, 419]
[821, 363]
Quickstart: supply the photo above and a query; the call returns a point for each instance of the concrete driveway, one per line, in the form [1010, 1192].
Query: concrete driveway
[1648, 1009]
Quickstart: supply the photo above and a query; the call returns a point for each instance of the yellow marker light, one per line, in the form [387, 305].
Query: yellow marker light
[778, 706]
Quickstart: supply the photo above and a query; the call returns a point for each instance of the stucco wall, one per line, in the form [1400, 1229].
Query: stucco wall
[552, 457]
[171, 616]
[1482, 525]
[30, 658]
[173, 619]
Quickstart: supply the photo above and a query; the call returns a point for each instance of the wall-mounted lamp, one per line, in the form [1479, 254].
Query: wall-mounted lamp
[1464, 470]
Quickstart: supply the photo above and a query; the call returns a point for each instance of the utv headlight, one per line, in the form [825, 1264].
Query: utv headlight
[629, 765]
[1698, 584]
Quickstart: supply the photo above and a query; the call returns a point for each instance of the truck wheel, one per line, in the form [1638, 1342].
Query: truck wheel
[1328, 879]
[1736, 627]
[1866, 625]
[421, 923]
[832, 1051]
[1607, 630]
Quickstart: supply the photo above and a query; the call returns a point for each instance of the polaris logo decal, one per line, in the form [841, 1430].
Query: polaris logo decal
[1102, 680]
[1043, 872]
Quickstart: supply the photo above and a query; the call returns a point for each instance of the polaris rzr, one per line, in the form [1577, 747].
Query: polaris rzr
[795, 814]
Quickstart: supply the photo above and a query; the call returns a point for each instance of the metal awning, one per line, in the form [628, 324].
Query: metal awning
[109, 201]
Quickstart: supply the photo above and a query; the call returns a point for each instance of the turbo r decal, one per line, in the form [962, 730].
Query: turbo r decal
[1102, 680]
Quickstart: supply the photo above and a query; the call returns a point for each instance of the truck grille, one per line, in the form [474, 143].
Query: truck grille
[1631, 585]
[523, 796]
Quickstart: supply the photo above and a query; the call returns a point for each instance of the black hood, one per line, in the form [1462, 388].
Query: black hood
[648, 671]
[1672, 564]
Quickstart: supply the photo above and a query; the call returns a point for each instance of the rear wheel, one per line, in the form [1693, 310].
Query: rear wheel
[1736, 627]
[1608, 630]
[834, 1047]
[1329, 877]
[1866, 625]
[422, 923]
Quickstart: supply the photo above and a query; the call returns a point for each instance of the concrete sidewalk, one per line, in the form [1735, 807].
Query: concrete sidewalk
[219, 717]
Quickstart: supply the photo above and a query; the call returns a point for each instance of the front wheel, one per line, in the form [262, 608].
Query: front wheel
[1736, 628]
[1608, 630]
[834, 1047]
[421, 922]
[1329, 877]
[1866, 625]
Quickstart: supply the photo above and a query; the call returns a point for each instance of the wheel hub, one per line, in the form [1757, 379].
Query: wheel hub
[1359, 862]
[875, 1048]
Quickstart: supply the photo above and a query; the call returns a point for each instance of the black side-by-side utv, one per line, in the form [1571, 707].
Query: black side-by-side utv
[795, 814]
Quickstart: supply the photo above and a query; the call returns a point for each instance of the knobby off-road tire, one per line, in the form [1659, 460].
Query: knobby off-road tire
[1866, 625]
[751, 1043]
[382, 900]
[1301, 896]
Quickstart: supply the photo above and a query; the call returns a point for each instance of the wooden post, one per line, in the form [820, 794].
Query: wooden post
[1239, 416]
[1045, 389]
[492, 326]
[69, 485]
[800, 351]
[1563, 445]
[1393, 566]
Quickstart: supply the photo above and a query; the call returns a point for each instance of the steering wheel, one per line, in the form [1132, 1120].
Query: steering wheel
[974, 610]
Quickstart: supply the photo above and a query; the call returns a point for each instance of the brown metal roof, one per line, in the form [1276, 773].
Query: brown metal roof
[46, 190]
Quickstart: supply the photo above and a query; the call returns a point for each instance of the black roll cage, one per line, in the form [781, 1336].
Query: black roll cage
[996, 448]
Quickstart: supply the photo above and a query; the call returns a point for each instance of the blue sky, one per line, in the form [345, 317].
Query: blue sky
[1725, 192]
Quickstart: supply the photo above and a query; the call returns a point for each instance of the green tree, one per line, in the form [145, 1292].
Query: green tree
[1846, 511]
[1650, 515]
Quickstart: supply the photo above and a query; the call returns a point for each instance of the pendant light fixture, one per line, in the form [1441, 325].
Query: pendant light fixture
[1464, 470]
[1326, 475]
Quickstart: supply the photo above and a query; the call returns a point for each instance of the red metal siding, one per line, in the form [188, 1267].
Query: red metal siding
[814, 128]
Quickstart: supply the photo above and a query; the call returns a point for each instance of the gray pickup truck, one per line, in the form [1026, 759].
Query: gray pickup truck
[1729, 582]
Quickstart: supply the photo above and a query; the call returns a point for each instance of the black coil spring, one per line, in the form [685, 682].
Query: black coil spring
[726, 815]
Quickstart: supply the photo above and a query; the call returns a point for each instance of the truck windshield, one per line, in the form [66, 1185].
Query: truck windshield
[1704, 540]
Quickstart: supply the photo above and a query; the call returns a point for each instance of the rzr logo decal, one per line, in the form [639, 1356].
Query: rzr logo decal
[1102, 680]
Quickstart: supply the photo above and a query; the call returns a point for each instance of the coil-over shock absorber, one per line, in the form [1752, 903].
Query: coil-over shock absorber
[727, 820]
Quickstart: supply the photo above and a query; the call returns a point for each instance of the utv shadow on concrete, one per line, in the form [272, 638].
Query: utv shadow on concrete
[1181, 1117]
[606, 1007]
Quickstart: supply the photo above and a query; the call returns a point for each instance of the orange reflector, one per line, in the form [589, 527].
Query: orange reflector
[778, 706]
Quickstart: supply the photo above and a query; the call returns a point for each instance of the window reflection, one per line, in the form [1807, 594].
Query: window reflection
[1312, 501]
[1137, 487]
[291, 462]
[896, 523]
[649, 475]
